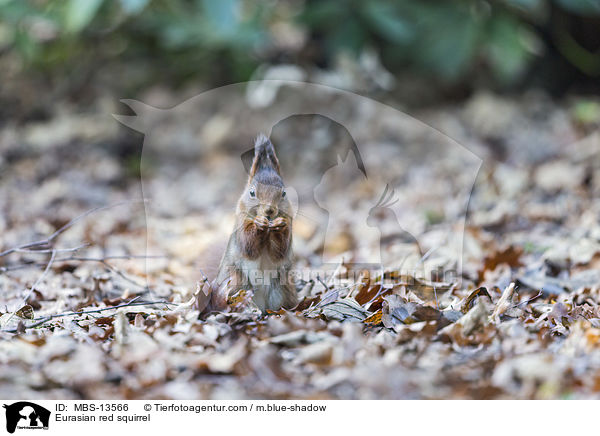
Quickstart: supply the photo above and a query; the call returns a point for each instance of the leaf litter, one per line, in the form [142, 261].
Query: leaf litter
[109, 321]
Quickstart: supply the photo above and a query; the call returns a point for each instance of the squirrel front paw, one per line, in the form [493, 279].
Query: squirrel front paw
[278, 223]
[261, 222]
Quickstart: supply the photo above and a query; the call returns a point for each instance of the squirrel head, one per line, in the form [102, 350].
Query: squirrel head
[265, 193]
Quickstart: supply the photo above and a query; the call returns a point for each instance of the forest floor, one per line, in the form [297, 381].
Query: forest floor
[100, 306]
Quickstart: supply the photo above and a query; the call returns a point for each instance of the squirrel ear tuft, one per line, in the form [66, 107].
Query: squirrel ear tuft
[264, 156]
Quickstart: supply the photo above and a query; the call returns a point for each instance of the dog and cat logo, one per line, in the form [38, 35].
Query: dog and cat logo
[363, 178]
[26, 415]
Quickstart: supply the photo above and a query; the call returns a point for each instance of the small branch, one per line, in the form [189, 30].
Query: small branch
[51, 250]
[82, 259]
[337, 270]
[204, 278]
[381, 291]
[525, 303]
[103, 261]
[35, 324]
[44, 243]
[40, 278]
[122, 275]
[104, 309]
[131, 303]
[120, 257]
[322, 282]
[429, 253]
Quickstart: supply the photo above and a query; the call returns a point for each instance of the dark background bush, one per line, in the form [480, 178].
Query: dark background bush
[457, 46]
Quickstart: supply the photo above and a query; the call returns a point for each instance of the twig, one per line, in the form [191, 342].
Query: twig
[47, 241]
[104, 309]
[56, 250]
[123, 275]
[204, 278]
[120, 257]
[525, 303]
[82, 259]
[34, 285]
[381, 291]
[132, 302]
[429, 253]
[35, 324]
[322, 282]
[103, 261]
[338, 268]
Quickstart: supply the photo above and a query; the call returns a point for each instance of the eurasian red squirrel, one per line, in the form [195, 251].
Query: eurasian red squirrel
[259, 252]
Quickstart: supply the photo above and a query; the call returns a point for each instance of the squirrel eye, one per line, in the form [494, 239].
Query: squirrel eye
[252, 193]
[283, 194]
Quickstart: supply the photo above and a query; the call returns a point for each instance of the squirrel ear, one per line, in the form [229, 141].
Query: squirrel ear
[264, 156]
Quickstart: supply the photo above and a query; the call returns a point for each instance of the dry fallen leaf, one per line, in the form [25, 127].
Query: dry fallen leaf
[374, 319]
[504, 303]
[468, 302]
[25, 312]
[346, 309]
[510, 256]
[397, 310]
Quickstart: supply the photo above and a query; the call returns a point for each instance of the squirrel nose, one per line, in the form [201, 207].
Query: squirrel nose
[269, 211]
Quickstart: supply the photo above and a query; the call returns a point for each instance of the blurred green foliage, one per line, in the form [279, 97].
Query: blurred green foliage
[226, 40]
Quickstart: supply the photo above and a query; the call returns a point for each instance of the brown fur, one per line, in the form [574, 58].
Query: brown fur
[251, 239]
[280, 240]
